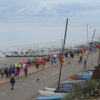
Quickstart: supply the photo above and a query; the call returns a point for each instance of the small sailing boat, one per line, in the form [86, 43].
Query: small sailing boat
[88, 73]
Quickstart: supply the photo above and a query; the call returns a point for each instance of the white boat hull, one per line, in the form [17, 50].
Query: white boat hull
[50, 89]
[46, 93]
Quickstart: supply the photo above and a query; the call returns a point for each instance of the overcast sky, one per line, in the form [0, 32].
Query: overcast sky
[35, 21]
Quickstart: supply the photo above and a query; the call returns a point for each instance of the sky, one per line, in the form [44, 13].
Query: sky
[24, 22]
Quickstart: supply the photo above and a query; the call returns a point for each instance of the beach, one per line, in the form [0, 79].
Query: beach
[13, 60]
[27, 88]
[32, 69]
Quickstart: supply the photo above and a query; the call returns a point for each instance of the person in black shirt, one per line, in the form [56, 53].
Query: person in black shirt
[12, 82]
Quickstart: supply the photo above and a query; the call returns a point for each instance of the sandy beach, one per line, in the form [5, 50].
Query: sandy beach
[13, 60]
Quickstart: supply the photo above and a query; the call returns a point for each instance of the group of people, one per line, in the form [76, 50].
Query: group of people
[7, 71]
[14, 70]
[79, 51]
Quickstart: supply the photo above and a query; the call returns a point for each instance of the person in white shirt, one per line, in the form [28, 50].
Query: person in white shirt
[24, 65]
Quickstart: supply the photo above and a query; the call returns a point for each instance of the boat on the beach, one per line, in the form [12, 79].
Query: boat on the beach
[67, 85]
[61, 90]
[46, 93]
[82, 77]
[50, 89]
[55, 91]
[50, 98]
[87, 77]
[87, 73]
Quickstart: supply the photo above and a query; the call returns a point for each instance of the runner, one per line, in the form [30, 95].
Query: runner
[43, 62]
[25, 70]
[2, 73]
[16, 72]
[12, 82]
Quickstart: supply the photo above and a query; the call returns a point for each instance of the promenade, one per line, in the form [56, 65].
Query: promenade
[27, 88]
[32, 69]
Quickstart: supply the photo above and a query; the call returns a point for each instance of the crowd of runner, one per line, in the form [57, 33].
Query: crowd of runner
[7, 71]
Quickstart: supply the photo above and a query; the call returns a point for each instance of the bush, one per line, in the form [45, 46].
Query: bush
[88, 89]
[96, 73]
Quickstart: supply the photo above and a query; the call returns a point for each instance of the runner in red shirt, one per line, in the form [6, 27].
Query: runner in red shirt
[43, 62]
[40, 62]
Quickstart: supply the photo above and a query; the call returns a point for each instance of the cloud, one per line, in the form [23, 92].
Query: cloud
[36, 6]
[16, 9]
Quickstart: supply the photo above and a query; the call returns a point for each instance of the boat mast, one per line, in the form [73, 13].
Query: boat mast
[63, 48]
[90, 46]
[99, 54]
[85, 62]
[87, 34]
